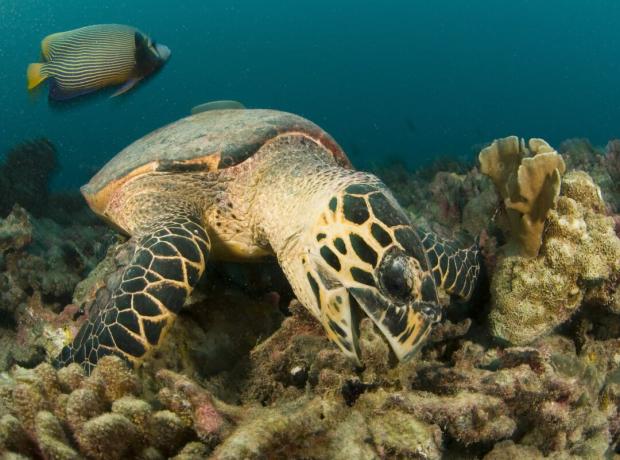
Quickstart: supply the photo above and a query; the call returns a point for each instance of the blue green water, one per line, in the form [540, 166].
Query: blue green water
[402, 78]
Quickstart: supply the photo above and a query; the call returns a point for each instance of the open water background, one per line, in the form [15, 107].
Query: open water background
[392, 79]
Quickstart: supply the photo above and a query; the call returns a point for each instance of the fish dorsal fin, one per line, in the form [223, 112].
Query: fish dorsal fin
[217, 105]
[50, 43]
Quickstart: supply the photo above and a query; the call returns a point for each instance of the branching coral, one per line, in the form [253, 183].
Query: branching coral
[529, 187]
[49, 414]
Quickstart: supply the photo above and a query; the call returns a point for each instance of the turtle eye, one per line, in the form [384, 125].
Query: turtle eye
[398, 276]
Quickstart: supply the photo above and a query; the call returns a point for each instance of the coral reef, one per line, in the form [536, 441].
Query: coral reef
[528, 185]
[579, 264]
[448, 202]
[244, 373]
[41, 263]
[25, 176]
[602, 164]
[612, 159]
[49, 414]
[579, 154]
[15, 230]
[458, 399]
[611, 163]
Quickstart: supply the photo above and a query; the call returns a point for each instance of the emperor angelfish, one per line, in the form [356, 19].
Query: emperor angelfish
[84, 60]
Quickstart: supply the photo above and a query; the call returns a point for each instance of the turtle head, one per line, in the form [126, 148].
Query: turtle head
[362, 257]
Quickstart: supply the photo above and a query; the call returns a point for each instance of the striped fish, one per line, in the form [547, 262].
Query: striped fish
[84, 60]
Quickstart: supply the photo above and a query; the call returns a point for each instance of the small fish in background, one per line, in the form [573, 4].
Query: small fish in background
[217, 105]
[84, 60]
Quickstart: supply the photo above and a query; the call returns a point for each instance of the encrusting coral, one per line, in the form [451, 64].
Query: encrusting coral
[579, 263]
[528, 185]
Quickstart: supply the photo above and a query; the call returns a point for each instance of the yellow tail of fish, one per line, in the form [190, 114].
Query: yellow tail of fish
[35, 75]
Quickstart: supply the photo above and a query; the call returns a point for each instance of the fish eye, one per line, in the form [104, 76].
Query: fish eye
[398, 276]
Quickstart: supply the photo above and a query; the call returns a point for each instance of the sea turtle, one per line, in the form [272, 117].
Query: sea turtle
[244, 184]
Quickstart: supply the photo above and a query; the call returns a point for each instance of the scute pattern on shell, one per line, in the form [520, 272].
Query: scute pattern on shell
[233, 135]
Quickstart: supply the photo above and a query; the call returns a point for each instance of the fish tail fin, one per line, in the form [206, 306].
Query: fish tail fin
[35, 75]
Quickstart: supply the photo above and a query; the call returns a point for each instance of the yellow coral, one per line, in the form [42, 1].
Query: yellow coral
[529, 187]
[578, 263]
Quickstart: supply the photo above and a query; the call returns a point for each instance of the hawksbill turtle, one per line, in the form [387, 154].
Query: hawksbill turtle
[248, 183]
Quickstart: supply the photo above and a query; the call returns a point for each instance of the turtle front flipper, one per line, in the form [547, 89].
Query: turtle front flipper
[456, 270]
[166, 265]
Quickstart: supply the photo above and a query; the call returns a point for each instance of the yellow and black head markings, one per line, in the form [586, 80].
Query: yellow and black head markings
[365, 257]
[84, 60]
[165, 267]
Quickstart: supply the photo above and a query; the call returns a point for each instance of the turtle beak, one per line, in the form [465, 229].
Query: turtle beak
[365, 257]
[404, 327]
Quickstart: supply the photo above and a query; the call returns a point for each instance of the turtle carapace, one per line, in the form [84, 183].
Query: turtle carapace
[242, 184]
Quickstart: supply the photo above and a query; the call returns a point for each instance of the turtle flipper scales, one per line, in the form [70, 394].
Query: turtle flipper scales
[456, 270]
[166, 265]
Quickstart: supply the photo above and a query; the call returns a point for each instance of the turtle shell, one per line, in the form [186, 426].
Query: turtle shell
[207, 141]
